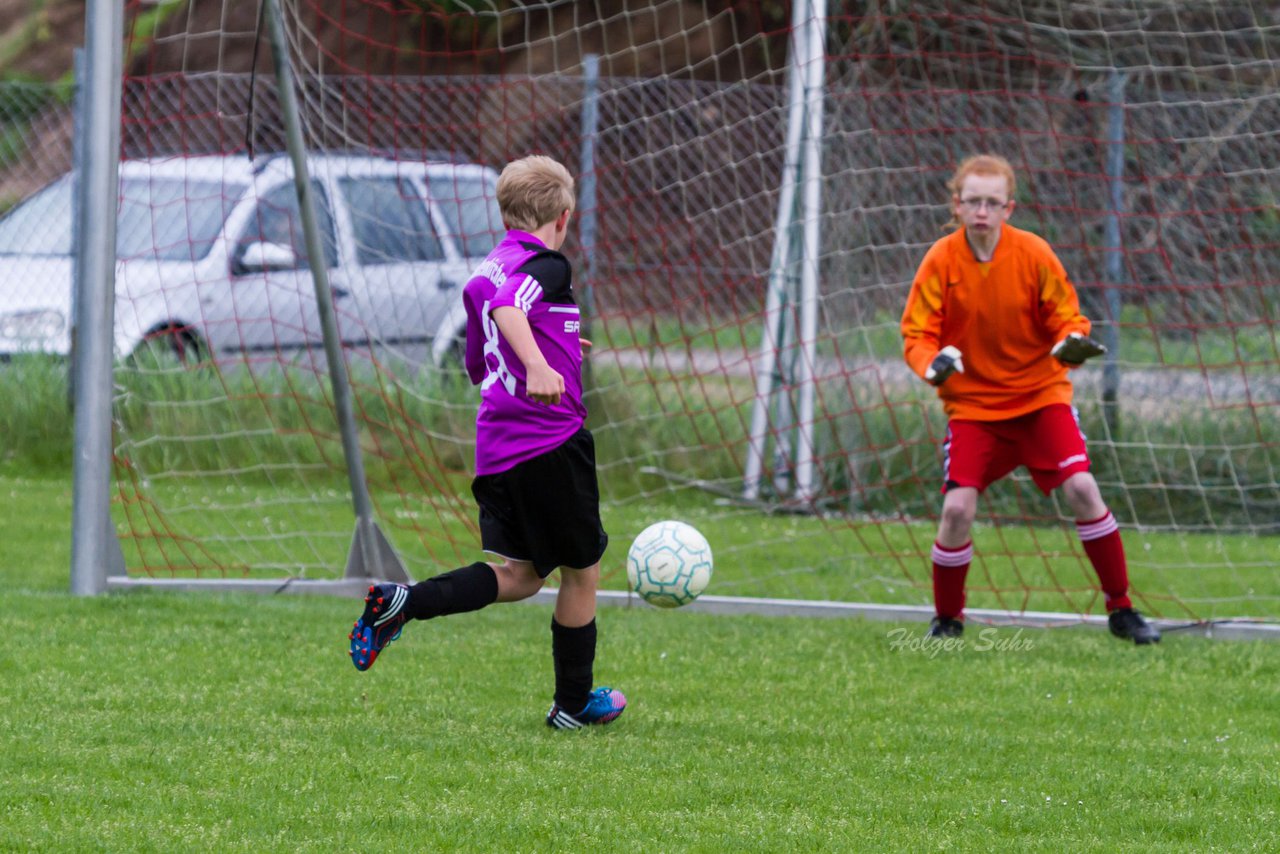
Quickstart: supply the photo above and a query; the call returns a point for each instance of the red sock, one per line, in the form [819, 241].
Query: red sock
[950, 568]
[1101, 540]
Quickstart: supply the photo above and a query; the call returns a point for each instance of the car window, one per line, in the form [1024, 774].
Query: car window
[41, 225]
[277, 220]
[470, 208]
[169, 219]
[390, 221]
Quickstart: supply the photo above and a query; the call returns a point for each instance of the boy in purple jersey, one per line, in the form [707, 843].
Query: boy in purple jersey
[535, 478]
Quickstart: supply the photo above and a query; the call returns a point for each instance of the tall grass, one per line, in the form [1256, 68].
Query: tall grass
[36, 416]
[1199, 469]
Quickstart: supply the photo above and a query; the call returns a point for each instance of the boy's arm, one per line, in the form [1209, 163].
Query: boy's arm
[542, 382]
[1060, 310]
[1059, 302]
[922, 319]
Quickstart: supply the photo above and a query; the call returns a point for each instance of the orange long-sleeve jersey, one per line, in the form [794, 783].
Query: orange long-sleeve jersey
[1004, 316]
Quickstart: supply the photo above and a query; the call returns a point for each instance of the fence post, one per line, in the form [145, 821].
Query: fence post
[588, 223]
[1114, 246]
[94, 548]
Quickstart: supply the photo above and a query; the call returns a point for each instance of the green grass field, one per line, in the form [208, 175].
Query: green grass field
[148, 721]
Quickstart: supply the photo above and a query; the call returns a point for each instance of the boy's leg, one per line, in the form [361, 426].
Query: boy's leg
[573, 636]
[974, 456]
[471, 588]
[576, 600]
[1057, 457]
[468, 588]
[952, 553]
[387, 607]
[573, 651]
[1100, 537]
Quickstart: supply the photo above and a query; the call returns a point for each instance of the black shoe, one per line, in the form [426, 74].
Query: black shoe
[945, 627]
[381, 623]
[1128, 624]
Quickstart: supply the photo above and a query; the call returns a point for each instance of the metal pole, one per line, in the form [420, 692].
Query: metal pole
[77, 181]
[371, 555]
[815, 72]
[587, 222]
[767, 366]
[1114, 246]
[93, 544]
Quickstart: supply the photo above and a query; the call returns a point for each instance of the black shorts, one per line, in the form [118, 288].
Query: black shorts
[545, 510]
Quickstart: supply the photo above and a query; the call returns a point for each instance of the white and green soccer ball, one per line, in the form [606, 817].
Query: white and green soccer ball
[669, 564]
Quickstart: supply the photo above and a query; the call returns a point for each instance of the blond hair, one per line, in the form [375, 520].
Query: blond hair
[979, 164]
[533, 191]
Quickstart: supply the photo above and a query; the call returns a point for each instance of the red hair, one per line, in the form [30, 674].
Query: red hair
[982, 164]
[979, 164]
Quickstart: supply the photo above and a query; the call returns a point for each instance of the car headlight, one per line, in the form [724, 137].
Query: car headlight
[32, 325]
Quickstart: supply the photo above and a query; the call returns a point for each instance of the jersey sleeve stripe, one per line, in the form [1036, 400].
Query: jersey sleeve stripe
[528, 293]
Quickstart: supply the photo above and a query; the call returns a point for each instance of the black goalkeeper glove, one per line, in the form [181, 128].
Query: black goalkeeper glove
[1075, 348]
[946, 363]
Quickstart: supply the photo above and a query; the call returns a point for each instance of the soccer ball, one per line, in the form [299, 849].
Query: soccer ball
[669, 564]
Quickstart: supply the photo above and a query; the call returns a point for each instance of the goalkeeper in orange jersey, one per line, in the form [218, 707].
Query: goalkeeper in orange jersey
[994, 323]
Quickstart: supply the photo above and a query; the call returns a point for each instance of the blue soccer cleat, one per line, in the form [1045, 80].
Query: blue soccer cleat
[603, 705]
[381, 623]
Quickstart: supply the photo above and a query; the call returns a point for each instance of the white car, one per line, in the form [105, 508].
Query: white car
[211, 256]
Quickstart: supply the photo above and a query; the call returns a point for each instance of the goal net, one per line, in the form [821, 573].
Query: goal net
[1144, 134]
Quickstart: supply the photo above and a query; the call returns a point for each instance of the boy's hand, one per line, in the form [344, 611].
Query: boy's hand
[946, 363]
[544, 384]
[1075, 348]
[584, 344]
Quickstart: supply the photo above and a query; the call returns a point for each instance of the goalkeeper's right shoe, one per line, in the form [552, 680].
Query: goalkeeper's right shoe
[945, 627]
[603, 705]
[381, 623]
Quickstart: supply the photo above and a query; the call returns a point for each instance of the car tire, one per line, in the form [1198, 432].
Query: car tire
[167, 347]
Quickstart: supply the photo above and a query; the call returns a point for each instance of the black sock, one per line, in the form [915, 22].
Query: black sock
[469, 588]
[574, 653]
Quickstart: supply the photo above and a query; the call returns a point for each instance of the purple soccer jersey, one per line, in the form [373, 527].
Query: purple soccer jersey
[510, 428]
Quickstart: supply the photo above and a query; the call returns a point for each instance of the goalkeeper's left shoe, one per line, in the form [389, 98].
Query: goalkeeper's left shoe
[381, 623]
[603, 705]
[1128, 624]
[1075, 349]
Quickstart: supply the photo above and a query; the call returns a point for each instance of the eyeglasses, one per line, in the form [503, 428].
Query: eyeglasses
[979, 204]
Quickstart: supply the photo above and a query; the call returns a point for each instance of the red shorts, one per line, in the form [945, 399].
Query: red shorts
[1048, 442]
